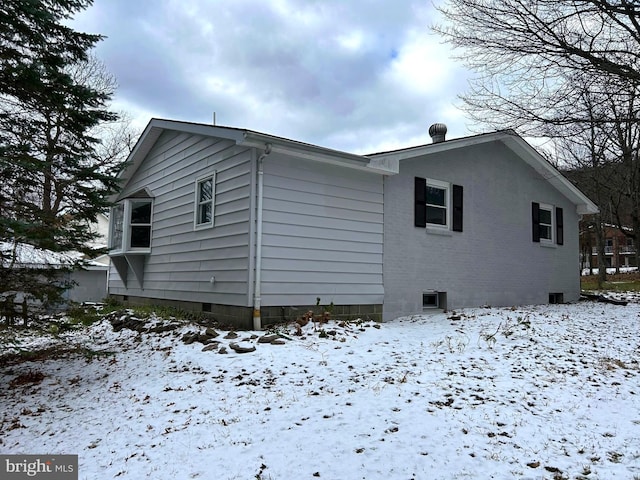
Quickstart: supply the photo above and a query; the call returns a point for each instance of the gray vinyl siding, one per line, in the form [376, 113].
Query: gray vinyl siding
[182, 260]
[494, 260]
[322, 234]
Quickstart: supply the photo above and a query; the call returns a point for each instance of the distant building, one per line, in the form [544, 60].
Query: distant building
[619, 250]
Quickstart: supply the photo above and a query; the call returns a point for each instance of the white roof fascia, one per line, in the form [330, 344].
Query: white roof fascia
[313, 152]
[550, 173]
[152, 132]
[516, 144]
[247, 138]
[412, 152]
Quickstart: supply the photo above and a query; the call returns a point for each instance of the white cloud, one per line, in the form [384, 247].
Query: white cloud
[422, 65]
[348, 75]
[352, 41]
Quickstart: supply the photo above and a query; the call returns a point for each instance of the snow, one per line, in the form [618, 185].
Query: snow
[610, 270]
[531, 392]
[30, 256]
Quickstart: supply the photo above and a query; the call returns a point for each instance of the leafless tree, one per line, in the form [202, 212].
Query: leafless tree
[566, 70]
[584, 148]
[525, 50]
[625, 197]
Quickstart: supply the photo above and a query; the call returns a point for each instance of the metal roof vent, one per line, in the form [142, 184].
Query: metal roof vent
[438, 132]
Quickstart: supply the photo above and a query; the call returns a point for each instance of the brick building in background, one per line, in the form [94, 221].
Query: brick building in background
[619, 250]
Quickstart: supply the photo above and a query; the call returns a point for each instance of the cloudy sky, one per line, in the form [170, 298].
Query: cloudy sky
[355, 75]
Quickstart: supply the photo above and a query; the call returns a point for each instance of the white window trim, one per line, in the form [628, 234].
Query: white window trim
[126, 229]
[446, 186]
[196, 201]
[552, 210]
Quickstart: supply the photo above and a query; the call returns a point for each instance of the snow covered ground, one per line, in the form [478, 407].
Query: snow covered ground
[544, 392]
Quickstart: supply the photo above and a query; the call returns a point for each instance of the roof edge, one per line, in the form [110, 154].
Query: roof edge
[248, 138]
[516, 144]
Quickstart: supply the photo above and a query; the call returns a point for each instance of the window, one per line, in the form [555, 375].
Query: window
[433, 300]
[430, 300]
[547, 224]
[130, 226]
[140, 224]
[205, 201]
[608, 245]
[438, 204]
[557, 297]
[115, 234]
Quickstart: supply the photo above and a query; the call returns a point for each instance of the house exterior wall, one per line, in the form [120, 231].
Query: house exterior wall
[322, 234]
[90, 285]
[183, 260]
[493, 261]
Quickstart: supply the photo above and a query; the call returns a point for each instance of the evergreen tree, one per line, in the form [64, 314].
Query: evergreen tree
[52, 182]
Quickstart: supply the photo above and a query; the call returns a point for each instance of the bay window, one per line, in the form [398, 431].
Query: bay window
[130, 226]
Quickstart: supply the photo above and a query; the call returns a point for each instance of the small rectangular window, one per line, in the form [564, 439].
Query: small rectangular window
[436, 206]
[140, 224]
[557, 297]
[542, 216]
[205, 201]
[434, 300]
[437, 203]
[546, 223]
[430, 300]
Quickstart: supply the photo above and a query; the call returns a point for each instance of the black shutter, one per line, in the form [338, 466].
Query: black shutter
[535, 221]
[457, 208]
[559, 227]
[420, 193]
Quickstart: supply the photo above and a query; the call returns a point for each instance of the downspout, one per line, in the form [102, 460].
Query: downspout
[257, 321]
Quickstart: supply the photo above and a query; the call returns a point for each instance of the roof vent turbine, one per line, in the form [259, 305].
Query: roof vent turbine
[438, 132]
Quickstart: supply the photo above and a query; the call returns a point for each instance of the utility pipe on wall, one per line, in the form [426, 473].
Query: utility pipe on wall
[257, 321]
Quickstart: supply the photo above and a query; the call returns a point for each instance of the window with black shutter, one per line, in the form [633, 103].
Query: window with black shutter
[438, 204]
[546, 224]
